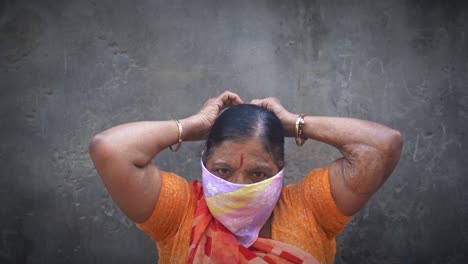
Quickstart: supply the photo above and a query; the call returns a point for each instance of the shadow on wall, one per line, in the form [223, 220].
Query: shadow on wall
[15, 245]
[451, 9]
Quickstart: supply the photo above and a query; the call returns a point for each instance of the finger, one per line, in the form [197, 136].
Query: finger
[230, 95]
[261, 102]
[273, 102]
[274, 99]
[265, 103]
[227, 95]
[235, 98]
[229, 98]
[256, 101]
[224, 95]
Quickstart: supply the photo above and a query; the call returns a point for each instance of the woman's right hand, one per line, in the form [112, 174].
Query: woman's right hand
[207, 115]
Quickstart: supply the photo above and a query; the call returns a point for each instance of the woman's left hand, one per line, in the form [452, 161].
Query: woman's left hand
[288, 120]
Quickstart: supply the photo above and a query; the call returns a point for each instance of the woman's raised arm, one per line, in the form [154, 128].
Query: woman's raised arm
[122, 155]
[370, 152]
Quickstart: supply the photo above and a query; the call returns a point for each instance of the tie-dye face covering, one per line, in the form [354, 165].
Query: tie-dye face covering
[242, 208]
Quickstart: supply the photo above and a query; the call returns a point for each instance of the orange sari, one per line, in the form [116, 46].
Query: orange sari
[211, 242]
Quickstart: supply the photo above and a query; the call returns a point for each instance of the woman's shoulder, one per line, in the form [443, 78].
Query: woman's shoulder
[172, 178]
[312, 195]
[175, 203]
[313, 179]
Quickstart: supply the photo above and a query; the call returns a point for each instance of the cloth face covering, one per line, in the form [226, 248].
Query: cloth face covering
[242, 208]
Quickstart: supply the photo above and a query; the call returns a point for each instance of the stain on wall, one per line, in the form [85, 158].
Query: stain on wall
[70, 69]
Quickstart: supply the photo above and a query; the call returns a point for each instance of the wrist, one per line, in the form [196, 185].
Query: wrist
[289, 124]
[194, 129]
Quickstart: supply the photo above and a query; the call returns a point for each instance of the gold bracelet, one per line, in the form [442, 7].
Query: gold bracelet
[179, 141]
[300, 139]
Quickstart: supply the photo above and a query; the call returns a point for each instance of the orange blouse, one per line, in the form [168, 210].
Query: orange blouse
[305, 216]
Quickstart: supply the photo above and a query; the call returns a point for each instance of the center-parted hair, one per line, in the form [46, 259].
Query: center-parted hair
[247, 121]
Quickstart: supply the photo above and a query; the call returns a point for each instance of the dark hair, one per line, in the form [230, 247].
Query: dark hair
[248, 121]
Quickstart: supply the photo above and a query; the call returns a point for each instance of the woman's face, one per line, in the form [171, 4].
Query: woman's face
[242, 162]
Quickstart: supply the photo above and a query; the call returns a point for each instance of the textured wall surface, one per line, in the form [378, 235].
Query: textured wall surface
[69, 69]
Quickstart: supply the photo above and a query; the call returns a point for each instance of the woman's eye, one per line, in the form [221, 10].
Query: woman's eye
[259, 174]
[222, 171]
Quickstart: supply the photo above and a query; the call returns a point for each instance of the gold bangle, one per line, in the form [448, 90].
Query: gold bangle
[179, 141]
[300, 139]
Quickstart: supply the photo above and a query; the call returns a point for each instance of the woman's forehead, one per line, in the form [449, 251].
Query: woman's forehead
[250, 155]
[244, 150]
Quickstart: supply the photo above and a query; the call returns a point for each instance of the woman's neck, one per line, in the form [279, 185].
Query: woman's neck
[265, 232]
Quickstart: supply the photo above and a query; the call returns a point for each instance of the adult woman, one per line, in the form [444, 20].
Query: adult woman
[195, 223]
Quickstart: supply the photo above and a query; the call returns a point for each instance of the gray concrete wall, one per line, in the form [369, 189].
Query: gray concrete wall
[69, 69]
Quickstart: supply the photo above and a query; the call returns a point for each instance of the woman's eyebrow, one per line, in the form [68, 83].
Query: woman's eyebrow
[265, 168]
[222, 164]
